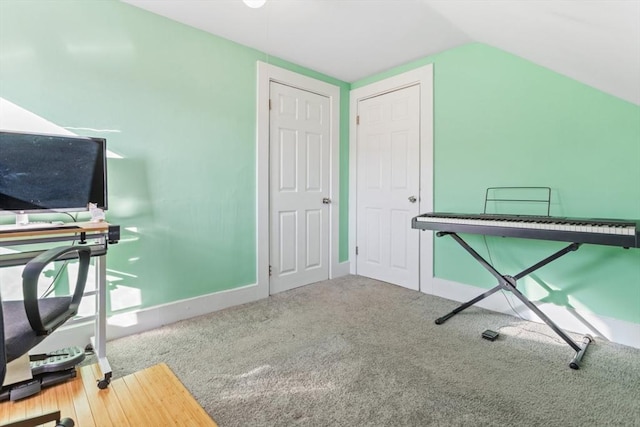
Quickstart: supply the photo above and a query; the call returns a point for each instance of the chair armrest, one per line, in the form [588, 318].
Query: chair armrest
[30, 276]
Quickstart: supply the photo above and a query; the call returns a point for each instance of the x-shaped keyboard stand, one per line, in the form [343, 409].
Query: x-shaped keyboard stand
[508, 283]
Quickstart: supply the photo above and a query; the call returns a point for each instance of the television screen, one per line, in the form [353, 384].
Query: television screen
[45, 173]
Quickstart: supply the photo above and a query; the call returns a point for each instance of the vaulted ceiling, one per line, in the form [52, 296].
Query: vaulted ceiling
[596, 42]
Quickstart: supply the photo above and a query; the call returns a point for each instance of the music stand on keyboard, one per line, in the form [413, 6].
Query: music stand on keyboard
[509, 283]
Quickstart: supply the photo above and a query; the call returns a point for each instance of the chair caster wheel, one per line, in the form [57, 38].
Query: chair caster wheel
[102, 384]
[65, 422]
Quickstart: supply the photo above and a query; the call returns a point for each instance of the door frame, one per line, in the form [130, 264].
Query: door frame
[424, 77]
[266, 73]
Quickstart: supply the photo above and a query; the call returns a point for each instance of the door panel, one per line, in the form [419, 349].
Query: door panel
[373, 253]
[314, 239]
[399, 239]
[288, 160]
[314, 163]
[299, 170]
[287, 242]
[388, 165]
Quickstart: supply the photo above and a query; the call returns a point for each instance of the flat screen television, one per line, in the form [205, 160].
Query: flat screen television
[51, 173]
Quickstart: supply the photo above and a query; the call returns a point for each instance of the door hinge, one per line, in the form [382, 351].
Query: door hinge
[270, 271]
[356, 250]
[357, 119]
[269, 104]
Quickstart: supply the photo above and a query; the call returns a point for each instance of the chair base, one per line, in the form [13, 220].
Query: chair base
[47, 370]
[30, 387]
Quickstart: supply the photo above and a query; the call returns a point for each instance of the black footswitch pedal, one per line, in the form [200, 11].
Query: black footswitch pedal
[490, 335]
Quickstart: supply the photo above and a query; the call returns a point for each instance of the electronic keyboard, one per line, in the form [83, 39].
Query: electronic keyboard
[612, 232]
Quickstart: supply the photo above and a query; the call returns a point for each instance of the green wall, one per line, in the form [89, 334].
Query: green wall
[502, 121]
[178, 105]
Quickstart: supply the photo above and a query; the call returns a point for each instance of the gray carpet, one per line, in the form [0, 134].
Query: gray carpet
[358, 352]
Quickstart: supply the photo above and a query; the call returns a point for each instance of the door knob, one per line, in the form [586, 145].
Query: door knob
[412, 199]
[326, 200]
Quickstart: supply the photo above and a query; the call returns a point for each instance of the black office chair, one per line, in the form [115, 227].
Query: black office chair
[25, 323]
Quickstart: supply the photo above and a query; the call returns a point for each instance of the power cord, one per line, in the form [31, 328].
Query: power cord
[51, 286]
[506, 297]
[73, 218]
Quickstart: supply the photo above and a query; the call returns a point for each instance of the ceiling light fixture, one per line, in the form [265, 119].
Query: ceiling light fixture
[254, 4]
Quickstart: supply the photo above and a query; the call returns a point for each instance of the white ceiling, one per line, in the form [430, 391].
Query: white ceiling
[596, 42]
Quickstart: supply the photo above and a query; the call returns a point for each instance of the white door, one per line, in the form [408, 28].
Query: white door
[299, 136]
[388, 187]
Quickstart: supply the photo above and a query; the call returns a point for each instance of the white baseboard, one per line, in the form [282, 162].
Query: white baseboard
[342, 269]
[121, 325]
[571, 320]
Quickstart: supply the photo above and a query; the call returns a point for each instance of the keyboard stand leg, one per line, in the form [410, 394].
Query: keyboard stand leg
[508, 283]
[441, 320]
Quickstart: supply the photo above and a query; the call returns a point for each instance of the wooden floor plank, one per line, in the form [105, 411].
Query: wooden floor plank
[18, 410]
[142, 402]
[100, 412]
[143, 399]
[129, 403]
[81, 406]
[110, 400]
[152, 397]
[64, 402]
[33, 405]
[4, 412]
[187, 408]
[49, 402]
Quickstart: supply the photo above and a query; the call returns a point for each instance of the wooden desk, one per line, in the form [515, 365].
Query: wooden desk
[97, 235]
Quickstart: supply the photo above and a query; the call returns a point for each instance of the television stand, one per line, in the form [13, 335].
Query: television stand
[99, 236]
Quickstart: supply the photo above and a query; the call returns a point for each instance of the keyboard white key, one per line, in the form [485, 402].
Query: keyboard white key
[595, 227]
